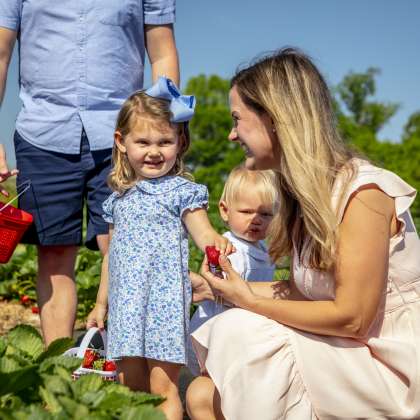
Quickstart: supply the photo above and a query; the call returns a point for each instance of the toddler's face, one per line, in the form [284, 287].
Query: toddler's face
[151, 150]
[248, 217]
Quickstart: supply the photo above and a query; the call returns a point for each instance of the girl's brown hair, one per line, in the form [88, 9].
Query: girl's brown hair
[289, 88]
[146, 109]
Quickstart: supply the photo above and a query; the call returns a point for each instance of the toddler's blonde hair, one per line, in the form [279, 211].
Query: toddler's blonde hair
[242, 181]
[147, 110]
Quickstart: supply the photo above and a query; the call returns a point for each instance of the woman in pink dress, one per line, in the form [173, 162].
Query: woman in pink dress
[342, 339]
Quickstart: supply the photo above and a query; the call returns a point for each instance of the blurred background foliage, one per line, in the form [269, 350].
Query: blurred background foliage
[211, 157]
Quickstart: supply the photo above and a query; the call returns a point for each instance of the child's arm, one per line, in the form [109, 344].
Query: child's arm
[97, 316]
[202, 232]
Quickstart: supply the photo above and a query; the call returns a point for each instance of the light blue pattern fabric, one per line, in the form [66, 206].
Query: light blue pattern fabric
[149, 289]
[79, 61]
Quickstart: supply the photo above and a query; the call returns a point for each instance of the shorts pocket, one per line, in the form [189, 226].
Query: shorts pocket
[118, 12]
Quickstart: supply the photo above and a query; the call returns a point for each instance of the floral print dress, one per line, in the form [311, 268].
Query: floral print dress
[149, 289]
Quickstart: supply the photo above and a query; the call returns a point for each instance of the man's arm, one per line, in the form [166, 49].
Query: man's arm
[161, 49]
[7, 42]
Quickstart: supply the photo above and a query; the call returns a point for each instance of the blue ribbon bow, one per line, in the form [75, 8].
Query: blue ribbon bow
[181, 106]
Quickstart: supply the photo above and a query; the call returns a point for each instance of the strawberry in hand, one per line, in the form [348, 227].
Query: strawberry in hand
[213, 257]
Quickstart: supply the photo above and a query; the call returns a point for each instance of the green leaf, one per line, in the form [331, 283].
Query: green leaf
[56, 348]
[145, 412]
[63, 373]
[50, 400]
[57, 385]
[10, 401]
[73, 408]
[38, 413]
[3, 346]
[93, 398]
[9, 364]
[17, 380]
[145, 398]
[114, 401]
[86, 383]
[27, 339]
[67, 362]
[7, 414]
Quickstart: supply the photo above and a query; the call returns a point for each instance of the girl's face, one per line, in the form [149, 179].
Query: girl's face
[254, 132]
[152, 152]
[248, 217]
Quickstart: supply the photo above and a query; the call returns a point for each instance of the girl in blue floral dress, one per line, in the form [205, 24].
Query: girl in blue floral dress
[151, 211]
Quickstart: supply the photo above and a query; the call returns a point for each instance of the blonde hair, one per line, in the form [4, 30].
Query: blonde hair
[145, 109]
[244, 181]
[289, 88]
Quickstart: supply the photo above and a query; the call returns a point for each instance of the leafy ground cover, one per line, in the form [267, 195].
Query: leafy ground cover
[36, 383]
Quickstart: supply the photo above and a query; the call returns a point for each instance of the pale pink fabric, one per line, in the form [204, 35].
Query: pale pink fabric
[264, 370]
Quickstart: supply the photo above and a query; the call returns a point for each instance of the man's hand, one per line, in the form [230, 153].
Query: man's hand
[4, 170]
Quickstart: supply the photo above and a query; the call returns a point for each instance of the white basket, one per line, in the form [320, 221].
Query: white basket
[80, 352]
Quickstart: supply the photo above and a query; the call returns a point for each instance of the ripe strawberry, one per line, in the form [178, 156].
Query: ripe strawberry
[89, 357]
[25, 299]
[213, 257]
[109, 365]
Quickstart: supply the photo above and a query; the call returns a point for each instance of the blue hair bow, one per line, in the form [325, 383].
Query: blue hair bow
[181, 106]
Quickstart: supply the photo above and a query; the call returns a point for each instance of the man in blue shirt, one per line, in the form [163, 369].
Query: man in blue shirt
[79, 60]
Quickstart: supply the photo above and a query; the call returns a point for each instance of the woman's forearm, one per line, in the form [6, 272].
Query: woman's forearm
[280, 289]
[318, 317]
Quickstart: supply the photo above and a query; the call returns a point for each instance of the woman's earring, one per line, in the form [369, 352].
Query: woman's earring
[273, 129]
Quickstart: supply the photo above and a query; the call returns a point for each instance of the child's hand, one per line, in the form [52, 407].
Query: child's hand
[97, 316]
[223, 245]
[201, 290]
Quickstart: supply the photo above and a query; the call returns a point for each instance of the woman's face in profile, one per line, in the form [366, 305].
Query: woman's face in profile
[254, 132]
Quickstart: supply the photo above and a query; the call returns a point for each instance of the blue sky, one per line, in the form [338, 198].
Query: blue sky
[214, 37]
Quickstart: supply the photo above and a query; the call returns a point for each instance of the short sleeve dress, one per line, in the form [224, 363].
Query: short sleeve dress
[268, 371]
[149, 290]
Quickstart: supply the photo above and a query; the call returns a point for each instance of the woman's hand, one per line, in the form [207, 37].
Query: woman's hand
[201, 290]
[97, 316]
[233, 288]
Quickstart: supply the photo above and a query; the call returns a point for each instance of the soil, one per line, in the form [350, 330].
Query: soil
[13, 313]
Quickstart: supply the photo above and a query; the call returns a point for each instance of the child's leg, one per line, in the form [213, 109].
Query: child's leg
[134, 373]
[164, 381]
[203, 400]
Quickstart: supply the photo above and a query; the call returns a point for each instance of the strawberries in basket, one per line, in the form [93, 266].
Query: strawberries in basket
[93, 360]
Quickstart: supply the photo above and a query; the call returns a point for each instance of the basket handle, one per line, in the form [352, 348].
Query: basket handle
[88, 338]
[27, 184]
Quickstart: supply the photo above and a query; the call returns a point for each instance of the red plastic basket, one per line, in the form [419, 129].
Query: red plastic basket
[13, 224]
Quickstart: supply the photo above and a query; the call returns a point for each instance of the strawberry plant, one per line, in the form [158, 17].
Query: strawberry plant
[36, 383]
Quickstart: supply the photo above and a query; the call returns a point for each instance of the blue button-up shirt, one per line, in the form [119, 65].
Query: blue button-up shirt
[79, 61]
